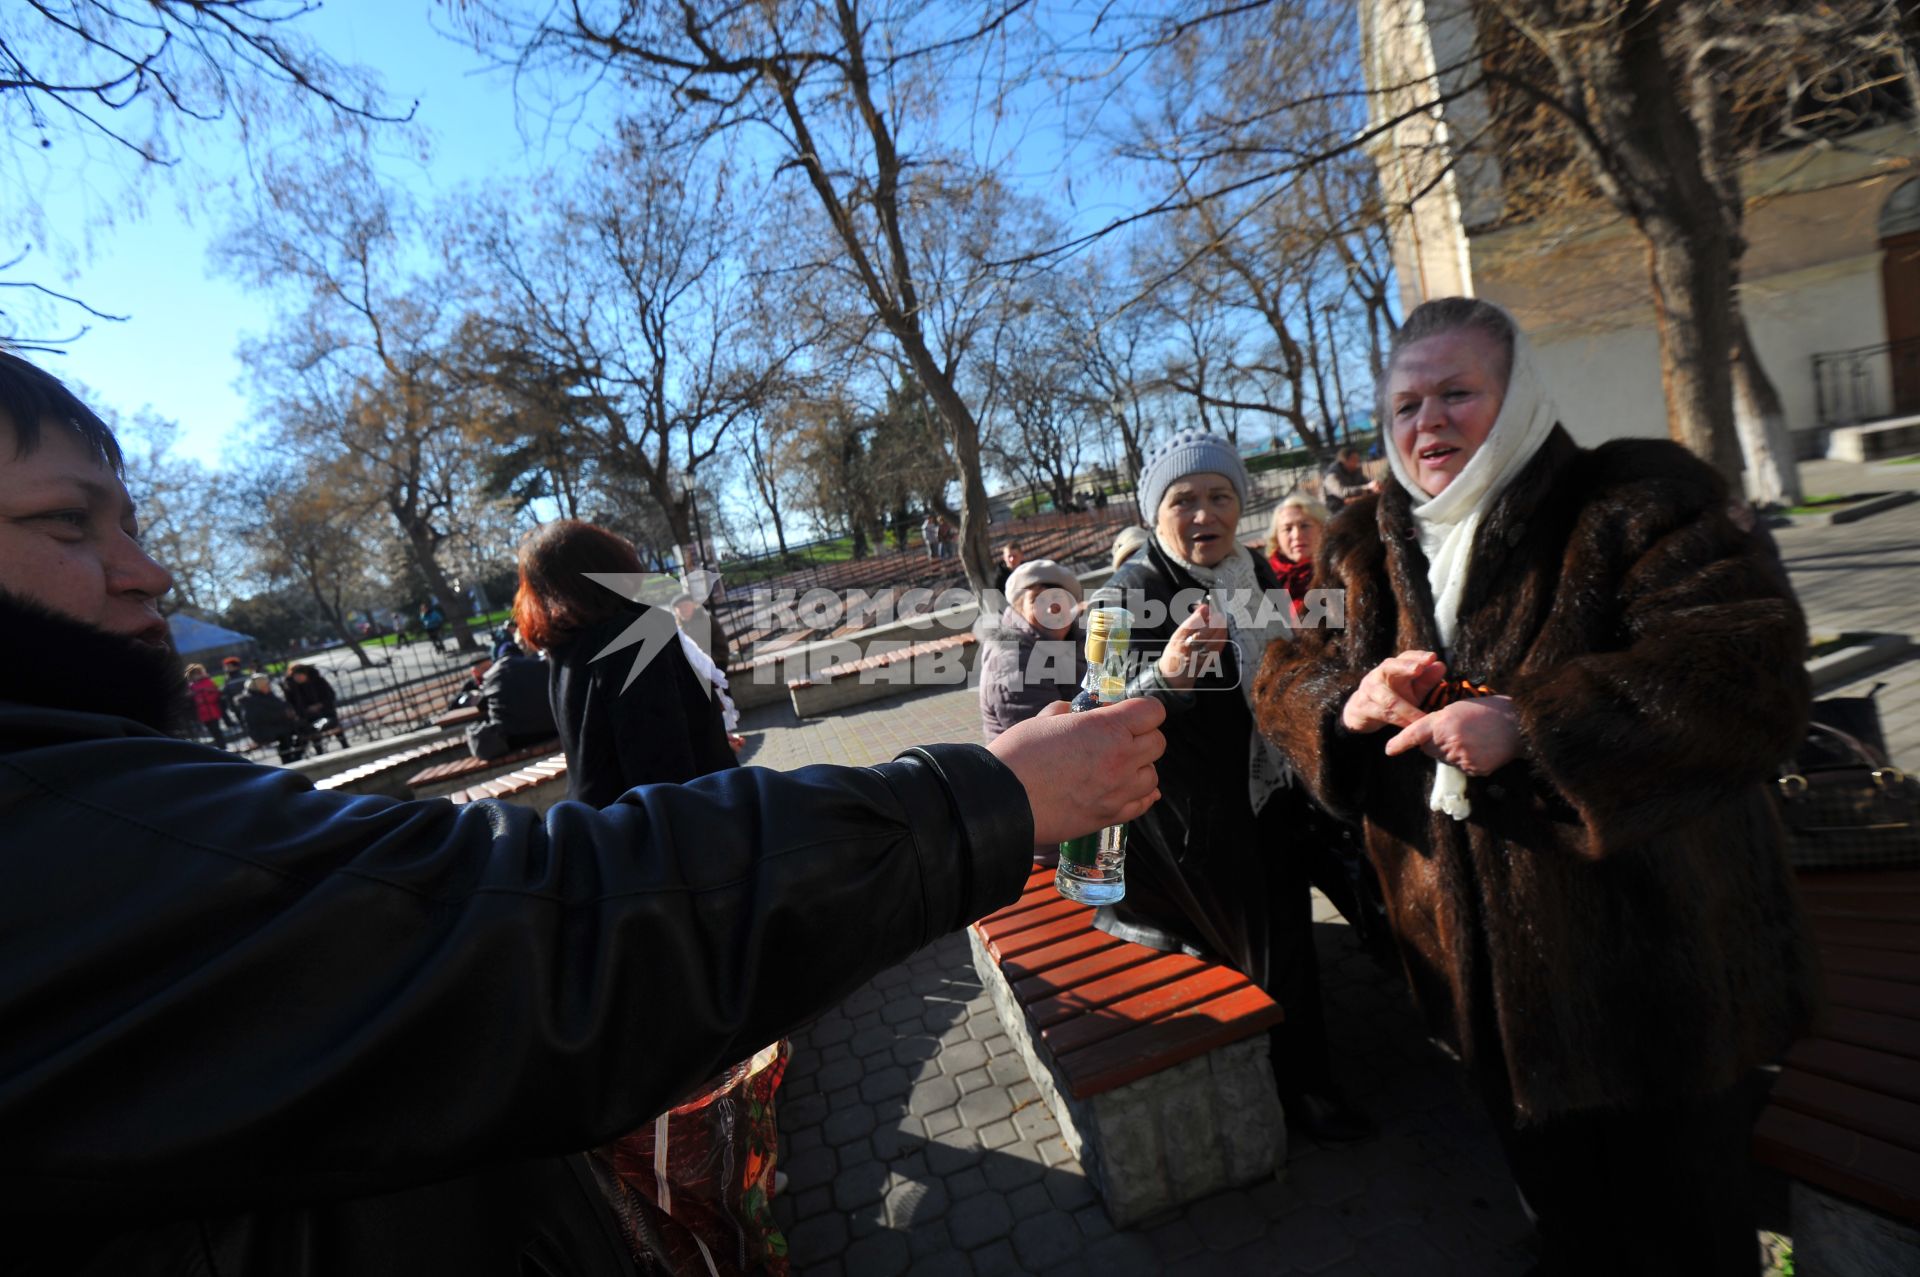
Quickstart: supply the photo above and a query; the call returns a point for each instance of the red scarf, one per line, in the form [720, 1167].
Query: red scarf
[1294, 576]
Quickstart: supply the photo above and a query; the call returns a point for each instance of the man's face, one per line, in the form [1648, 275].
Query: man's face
[69, 540]
[1012, 556]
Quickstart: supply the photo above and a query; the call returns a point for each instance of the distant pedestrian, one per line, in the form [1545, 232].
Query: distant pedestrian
[268, 719]
[930, 534]
[317, 705]
[208, 708]
[949, 535]
[431, 619]
[1345, 480]
[1011, 557]
[507, 642]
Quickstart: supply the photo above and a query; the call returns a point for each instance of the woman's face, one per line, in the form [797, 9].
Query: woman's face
[1444, 393]
[1197, 516]
[1299, 534]
[1049, 609]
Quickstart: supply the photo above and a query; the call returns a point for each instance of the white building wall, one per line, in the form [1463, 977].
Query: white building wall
[1797, 315]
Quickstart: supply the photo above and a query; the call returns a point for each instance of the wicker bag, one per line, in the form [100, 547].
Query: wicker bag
[1846, 807]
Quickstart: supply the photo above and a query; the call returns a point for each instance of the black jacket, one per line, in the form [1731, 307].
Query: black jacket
[251, 1028]
[664, 725]
[313, 699]
[514, 695]
[1201, 870]
[265, 716]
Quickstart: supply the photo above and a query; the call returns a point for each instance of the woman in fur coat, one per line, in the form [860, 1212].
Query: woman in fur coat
[1565, 679]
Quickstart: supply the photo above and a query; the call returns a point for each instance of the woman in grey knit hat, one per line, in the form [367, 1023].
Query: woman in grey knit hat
[1213, 868]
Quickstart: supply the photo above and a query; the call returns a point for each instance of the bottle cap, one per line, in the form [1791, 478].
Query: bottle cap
[1109, 630]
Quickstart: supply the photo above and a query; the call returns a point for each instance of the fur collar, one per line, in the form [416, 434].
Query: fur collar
[55, 662]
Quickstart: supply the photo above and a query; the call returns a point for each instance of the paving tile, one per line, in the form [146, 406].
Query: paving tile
[984, 1107]
[932, 1094]
[1309, 1239]
[997, 1135]
[884, 1254]
[960, 1057]
[942, 1122]
[849, 1123]
[1008, 1170]
[859, 1186]
[912, 1203]
[818, 1237]
[1031, 1200]
[1045, 1240]
[1226, 1221]
[979, 1220]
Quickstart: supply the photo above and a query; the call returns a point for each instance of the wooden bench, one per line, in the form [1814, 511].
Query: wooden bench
[1844, 1119]
[388, 775]
[889, 668]
[443, 779]
[458, 717]
[539, 786]
[1154, 1064]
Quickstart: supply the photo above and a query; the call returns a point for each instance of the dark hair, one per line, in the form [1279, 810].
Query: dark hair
[555, 599]
[1452, 314]
[30, 396]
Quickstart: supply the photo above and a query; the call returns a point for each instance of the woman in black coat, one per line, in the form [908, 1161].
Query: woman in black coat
[629, 708]
[1218, 867]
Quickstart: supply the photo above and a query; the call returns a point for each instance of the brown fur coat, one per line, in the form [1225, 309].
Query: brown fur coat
[1616, 922]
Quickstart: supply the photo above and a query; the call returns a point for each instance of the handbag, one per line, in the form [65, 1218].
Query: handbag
[1845, 806]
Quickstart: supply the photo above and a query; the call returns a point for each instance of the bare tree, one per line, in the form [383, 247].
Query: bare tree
[629, 309]
[831, 85]
[97, 79]
[357, 361]
[179, 502]
[300, 532]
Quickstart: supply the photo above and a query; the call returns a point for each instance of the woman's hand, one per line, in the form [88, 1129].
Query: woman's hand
[1196, 636]
[1392, 692]
[1478, 736]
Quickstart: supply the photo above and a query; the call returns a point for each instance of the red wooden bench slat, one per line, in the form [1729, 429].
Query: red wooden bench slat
[1858, 1109]
[1900, 937]
[1857, 1065]
[1038, 891]
[1886, 996]
[1031, 964]
[1870, 1171]
[1142, 1008]
[1879, 964]
[1071, 975]
[1040, 937]
[1151, 1048]
[1084, 996]
[999, 931]
[1889, 1033]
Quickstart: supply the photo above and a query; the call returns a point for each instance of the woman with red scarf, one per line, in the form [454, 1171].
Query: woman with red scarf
[1292, 538]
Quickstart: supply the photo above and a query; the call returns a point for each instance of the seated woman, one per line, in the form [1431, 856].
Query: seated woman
[312, 698]
[1029, 657]
[1216, 867]
[1293, 536]
[1565, 681]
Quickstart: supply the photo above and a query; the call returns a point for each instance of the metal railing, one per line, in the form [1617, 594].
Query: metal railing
[1868, 383]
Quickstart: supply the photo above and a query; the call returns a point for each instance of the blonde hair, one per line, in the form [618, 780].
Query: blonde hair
[1128, 543]
[1297, 501]
[196, 670]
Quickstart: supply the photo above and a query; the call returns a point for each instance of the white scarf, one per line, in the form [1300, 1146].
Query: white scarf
[1447, 523]
[1253, 621]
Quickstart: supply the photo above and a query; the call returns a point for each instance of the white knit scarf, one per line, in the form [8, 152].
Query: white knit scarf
[1447, 523]
[1253, 621]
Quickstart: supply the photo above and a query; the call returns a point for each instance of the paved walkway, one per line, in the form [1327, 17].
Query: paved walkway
[914, 1141]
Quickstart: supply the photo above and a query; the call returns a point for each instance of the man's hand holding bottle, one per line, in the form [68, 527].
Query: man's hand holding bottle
[1084, 772]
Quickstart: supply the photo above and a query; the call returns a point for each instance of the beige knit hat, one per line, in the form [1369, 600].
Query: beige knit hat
[1035, 573]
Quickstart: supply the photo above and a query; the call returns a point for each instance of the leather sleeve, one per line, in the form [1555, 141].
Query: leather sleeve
[222, 988]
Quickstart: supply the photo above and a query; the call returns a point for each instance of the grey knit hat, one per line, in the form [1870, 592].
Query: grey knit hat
[1189, 452]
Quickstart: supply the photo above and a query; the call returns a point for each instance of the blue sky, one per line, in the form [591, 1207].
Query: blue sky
[176, 351]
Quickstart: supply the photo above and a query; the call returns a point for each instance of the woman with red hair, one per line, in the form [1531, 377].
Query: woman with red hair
[620, 727]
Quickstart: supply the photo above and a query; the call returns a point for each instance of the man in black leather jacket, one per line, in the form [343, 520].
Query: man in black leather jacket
[248, 1027]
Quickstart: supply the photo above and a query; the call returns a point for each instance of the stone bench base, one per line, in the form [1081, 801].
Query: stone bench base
[1207, 1124]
